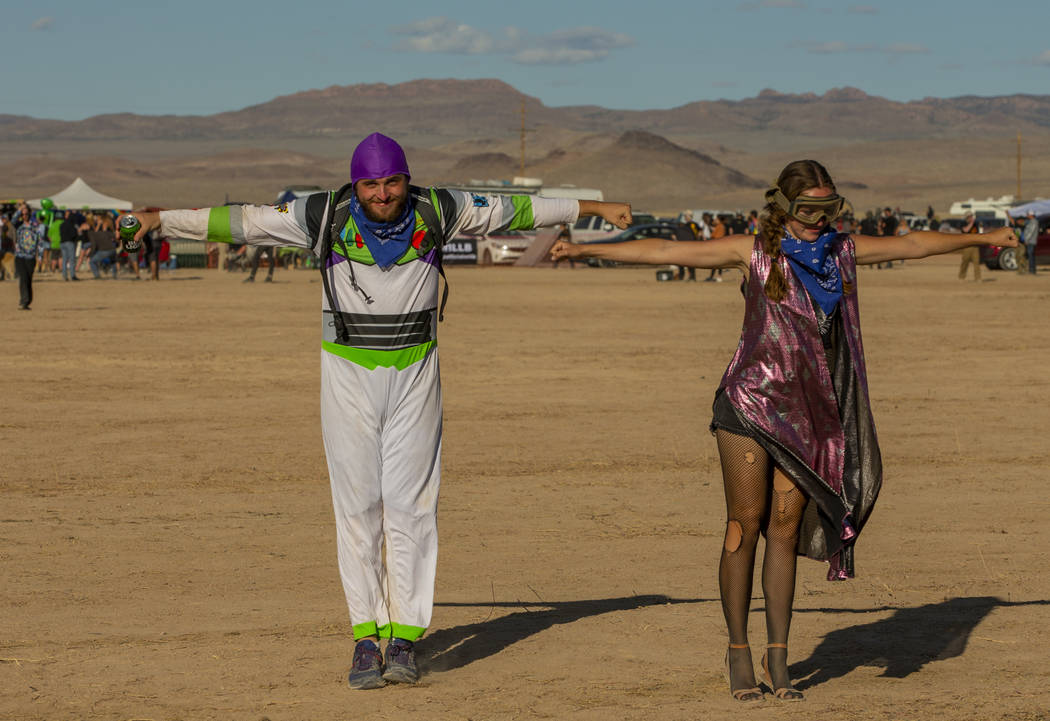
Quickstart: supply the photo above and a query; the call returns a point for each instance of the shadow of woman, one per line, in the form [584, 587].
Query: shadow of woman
[455, 647]
[901, 644]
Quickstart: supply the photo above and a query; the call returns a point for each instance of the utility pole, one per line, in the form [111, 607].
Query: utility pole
[524, 130]
[1018, 166]
[522, 171]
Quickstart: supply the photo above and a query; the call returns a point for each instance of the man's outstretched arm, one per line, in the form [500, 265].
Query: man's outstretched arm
[480, 214]
[283, 224]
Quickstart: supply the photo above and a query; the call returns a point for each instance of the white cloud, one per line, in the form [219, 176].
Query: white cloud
[834, 46]
[570, 46]
[838, 46]
[587, 38]
[906, 49]
[1043, 58]
[765, 4]
[558, 56]
[442, 35]
[43, 23]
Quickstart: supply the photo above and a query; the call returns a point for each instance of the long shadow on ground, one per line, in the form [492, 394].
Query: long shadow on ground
[901, 644]
[450, 648]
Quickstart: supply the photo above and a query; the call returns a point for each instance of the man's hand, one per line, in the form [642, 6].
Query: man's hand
[619, 214]
[1003, 237]
[149, 221]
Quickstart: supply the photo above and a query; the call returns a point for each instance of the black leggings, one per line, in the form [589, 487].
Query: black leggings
[24, 270]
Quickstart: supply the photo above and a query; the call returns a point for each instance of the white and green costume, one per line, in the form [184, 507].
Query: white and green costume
[380, 385]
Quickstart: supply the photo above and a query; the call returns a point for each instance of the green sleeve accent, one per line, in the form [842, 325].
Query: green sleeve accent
[437, 206]
[397, 630]
[371, 359]
[523, 218]
[364, 630]
[219, 225]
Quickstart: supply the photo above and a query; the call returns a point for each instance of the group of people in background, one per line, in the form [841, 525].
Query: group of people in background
[712, 226]
[65, 241]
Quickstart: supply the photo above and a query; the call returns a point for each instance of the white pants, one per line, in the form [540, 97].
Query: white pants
[382, 438]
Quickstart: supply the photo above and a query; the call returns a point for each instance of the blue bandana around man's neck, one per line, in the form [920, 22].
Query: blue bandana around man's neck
[387, 242]
[815, 266]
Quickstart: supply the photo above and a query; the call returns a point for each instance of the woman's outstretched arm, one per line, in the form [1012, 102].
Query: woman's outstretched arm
[728, 252]
[924, 243]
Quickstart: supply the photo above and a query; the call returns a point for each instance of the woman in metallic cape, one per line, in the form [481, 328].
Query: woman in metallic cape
[800, 458]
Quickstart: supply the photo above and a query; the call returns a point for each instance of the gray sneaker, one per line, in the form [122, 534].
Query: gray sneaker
[400, 662]
[367, 669]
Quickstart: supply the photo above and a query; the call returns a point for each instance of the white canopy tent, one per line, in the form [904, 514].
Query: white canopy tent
[81, 195]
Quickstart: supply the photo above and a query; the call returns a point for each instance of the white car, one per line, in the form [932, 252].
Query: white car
[501, 248]
[594, 227]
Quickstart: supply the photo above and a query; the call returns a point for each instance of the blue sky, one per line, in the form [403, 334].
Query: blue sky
[71, 60]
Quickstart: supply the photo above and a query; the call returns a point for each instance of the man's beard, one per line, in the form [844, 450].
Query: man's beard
[394, 212]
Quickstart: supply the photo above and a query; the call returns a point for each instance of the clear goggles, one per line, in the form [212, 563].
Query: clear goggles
[807, 209]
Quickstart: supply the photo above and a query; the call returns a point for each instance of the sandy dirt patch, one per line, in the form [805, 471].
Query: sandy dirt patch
[168, 550]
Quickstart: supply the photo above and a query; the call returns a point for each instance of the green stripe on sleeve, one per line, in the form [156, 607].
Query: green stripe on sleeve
[523, 218]
[219, 225]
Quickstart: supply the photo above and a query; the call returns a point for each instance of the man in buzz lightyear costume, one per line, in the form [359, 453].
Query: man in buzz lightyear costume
[380, 385]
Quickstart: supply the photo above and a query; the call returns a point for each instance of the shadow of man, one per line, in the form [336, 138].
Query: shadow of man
[455, 647]
[901, 644]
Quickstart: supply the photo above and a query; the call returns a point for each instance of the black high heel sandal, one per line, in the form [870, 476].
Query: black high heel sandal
[784, 693]
[743, 695]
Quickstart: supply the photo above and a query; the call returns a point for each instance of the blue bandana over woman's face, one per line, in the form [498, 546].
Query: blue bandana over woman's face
[387, 242]
[815, 266]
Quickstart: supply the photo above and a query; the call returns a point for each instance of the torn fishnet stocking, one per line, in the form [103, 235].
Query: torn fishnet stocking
[745, 473]
[759, 499]
[778, 569]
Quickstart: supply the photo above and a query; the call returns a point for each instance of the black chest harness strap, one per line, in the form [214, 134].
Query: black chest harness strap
[332, 231]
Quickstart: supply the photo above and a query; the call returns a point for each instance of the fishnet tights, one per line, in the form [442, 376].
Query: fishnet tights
[759, 499]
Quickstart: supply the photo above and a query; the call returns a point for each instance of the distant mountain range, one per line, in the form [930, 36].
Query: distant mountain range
[703, 154]
[428, 113]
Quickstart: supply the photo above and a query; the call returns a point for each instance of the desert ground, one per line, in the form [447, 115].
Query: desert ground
[168, 549]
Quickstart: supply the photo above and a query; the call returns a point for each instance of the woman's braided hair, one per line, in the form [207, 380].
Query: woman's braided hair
[794, 179]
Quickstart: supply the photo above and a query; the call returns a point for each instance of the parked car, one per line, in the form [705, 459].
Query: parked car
[594, 227]
[635, 232]
[999, 258]
[500, 248]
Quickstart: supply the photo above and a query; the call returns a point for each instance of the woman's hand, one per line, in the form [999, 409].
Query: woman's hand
[565, 251]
